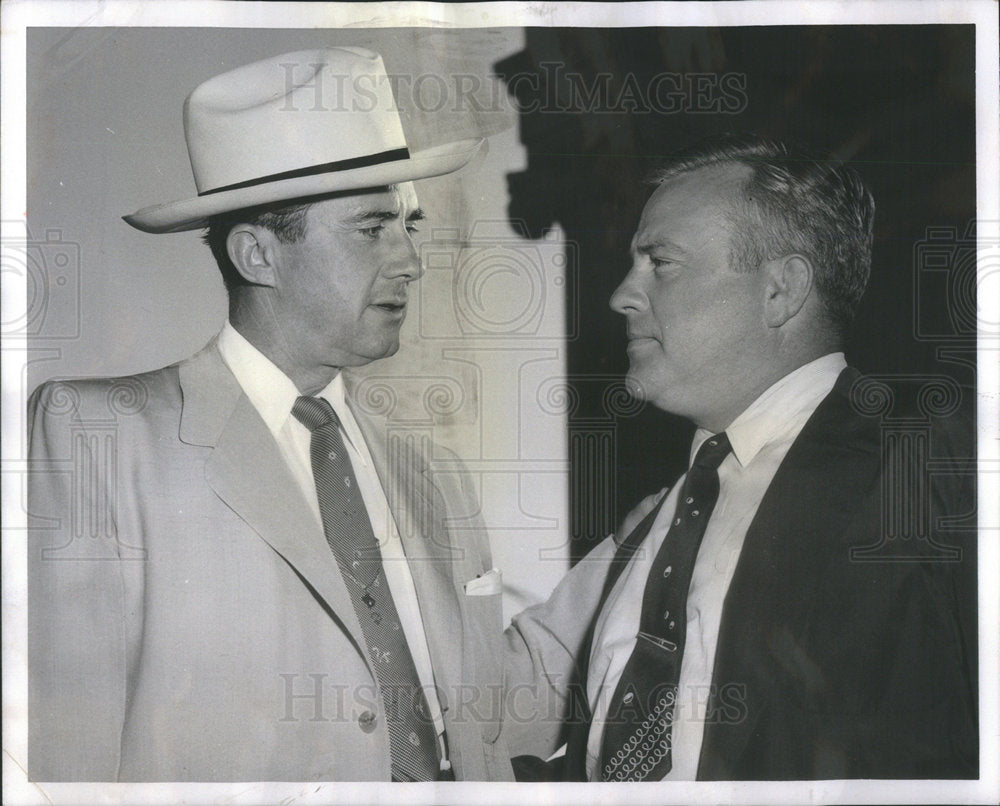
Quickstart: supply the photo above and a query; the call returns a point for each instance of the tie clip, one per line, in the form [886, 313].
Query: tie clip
[662, 643]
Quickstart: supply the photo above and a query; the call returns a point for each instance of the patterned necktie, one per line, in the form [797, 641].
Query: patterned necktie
[638, 728]
[412, 737]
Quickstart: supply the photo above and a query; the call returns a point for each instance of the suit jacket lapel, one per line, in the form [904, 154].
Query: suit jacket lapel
[419, 509]
[248, 473]
[794, 532]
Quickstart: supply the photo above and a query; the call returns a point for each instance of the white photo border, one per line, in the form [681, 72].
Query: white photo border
[19, 15]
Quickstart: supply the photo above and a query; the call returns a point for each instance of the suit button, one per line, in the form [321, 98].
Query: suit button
[367, 721]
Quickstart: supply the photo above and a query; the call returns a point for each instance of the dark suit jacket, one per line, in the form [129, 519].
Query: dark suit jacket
[842, 652]
[187, 620]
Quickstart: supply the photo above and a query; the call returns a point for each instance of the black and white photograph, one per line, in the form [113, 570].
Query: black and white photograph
[502, 402]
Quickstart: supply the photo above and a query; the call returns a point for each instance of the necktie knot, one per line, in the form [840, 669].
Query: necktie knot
[314, 412]
[712, 451]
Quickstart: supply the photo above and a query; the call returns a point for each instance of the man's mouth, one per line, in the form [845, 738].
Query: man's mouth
[391, 306]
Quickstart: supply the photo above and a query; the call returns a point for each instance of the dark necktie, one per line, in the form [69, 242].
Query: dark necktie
[638, 729]
[412, 737]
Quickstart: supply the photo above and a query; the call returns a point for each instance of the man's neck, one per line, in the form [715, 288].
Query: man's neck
[718, 421]
[308, 380]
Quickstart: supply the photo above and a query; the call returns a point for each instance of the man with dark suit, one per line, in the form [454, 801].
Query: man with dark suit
[775, 615]
[233, 574]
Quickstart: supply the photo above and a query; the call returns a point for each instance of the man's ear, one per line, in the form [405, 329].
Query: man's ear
[788, 286]
[251, 249]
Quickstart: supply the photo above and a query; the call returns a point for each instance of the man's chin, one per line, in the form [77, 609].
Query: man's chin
[368, 356]
[635, 386]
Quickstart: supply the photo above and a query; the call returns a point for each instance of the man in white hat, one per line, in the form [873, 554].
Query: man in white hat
[240, 578]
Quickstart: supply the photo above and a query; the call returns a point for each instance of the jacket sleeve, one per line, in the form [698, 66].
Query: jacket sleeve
[544, 644]
[545, 677]
[76, 661]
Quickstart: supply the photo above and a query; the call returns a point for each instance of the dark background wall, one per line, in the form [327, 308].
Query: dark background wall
[597, 113]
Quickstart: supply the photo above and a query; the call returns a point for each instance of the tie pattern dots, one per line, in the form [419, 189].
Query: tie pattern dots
[348, 529]
[638, 729]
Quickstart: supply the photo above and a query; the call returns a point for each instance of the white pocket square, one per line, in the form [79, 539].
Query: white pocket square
[485, 584]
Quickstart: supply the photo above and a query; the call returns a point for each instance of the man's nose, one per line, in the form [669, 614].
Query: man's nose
[628, 297]
[405, 260]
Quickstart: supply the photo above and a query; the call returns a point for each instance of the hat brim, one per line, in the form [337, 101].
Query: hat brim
[194, 213]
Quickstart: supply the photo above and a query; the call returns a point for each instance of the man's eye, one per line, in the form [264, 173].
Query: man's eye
[372, 232]
[411, 227]
[661, 262]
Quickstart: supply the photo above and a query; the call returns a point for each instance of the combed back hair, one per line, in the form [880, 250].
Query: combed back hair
[286, 221]
[795, 202]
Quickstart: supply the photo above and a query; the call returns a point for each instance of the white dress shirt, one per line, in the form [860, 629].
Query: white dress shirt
[760, 438]
[273, 394]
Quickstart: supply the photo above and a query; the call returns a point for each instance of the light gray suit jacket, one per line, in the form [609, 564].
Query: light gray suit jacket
[187, 620]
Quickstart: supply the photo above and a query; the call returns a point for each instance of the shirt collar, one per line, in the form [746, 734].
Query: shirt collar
[336, 395]
[781, 411]
[272, 392]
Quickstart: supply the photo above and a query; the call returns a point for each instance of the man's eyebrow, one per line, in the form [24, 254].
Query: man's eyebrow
[367, 216]
[645, 247]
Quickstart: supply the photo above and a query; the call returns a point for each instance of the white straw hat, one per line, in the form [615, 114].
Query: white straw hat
[296, 125]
